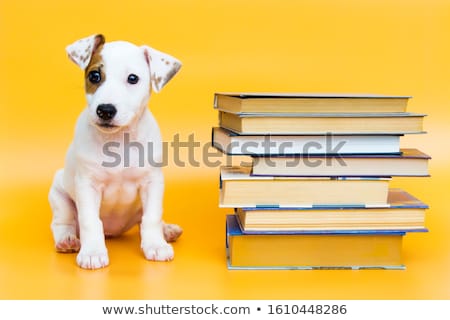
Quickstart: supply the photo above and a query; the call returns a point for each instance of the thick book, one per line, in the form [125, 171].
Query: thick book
[410, 162]
[313, 250]
[322, 123]
[308, 102]
[404, 212]
[262, 145]
[238, 188]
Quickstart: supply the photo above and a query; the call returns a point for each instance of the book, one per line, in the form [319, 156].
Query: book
[313, 250]
[410, 162]
[240, 189]
[404, 212]
[261, 145]
[322, 123]
[308, 102]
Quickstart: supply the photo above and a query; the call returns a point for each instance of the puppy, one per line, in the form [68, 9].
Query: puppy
[90, 200]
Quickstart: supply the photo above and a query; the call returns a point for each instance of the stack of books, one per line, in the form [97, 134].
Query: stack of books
[317, 193]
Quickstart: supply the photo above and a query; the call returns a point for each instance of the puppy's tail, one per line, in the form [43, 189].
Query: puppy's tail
[171, 232]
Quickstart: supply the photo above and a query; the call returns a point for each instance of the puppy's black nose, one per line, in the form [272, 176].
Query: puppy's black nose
[106, 111]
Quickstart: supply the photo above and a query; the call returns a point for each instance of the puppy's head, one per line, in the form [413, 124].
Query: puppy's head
[119, 77]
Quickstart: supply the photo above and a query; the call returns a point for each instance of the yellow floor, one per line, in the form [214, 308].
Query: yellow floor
[31, 269]
[385, 47]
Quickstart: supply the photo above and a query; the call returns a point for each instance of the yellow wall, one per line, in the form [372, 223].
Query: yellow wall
[389, 47]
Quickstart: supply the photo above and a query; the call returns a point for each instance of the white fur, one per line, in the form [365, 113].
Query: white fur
[98, 200]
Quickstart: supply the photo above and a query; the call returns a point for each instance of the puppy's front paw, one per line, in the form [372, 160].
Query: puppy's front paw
[68, 244]
[158, 252]
[90, 259]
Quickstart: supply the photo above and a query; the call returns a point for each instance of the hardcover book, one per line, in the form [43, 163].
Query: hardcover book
[240, 189]
[404, 212]
[313, 250]
[308, 102]
[261, 145]
[322, 123]
[410, 162]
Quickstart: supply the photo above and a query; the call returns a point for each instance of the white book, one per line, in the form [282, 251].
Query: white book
[263, 145]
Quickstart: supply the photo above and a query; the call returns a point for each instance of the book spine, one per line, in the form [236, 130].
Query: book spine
[215, 101]
[212, 136]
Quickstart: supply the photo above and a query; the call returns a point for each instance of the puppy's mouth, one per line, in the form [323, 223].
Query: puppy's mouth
[107, 127]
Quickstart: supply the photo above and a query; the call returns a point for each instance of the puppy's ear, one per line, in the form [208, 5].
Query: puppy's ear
[82, 50]
[162, 67]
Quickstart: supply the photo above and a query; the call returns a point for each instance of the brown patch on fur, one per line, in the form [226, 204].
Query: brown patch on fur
[96, 64]
[156, 80]
[172, 72]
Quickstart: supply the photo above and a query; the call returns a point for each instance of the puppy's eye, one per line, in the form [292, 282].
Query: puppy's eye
[95, 77]
[133, 79]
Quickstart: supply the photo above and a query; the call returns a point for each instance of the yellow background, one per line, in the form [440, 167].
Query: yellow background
[388, 47]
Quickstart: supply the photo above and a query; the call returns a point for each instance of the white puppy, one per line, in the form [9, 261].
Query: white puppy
[90, 199]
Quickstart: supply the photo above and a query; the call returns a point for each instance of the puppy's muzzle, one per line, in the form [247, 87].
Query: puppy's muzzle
[106, 112]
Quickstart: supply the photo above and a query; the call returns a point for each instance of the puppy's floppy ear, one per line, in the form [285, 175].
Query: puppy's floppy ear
[162, 67]
[82, 50]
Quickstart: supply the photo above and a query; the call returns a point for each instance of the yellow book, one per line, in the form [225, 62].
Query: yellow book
[404, 212]
[240, 189]
[326, 250]
[308, 123]
[308, 102]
